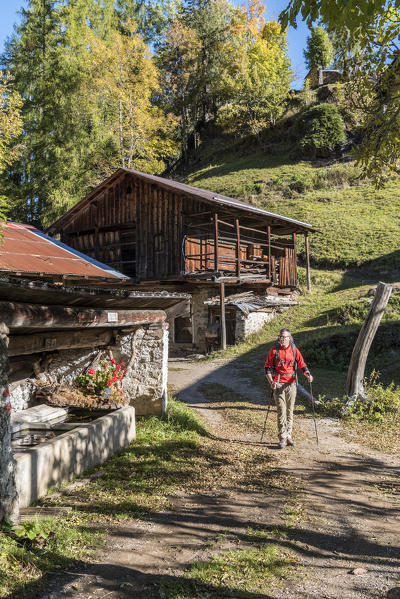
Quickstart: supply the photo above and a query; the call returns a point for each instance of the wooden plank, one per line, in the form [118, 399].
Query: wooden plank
[16, 315]
[216, 242]
[308, 261]
[44, 342]
[269, 252]
[223, 323]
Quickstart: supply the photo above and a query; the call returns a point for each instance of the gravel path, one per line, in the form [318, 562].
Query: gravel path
[344, 533]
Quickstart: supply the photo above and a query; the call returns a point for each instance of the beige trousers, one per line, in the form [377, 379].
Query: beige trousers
[285, 397]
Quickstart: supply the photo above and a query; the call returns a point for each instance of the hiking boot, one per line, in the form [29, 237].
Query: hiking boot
[282, 443]
[290, 442]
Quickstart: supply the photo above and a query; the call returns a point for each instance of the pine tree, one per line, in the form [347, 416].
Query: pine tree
[319, 52]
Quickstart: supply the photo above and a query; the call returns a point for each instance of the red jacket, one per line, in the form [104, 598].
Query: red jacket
[283, 370]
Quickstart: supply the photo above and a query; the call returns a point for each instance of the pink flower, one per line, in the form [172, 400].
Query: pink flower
[109, 383]
[123, 363]
[112, 361]
[118, 366]
[91, 371]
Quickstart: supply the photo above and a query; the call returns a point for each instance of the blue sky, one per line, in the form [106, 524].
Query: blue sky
[296, 37]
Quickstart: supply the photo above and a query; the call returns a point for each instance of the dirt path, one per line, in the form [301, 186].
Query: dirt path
[336, 522]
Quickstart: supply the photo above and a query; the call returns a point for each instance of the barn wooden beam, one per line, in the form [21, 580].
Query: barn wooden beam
[216, 242]
[269, 252]
[20, 345]
[307, 244]
[237, 226]
[16, 315]
[223, 323]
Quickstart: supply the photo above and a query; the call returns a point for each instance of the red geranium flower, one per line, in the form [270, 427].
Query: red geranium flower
[90, 371]
[109, 383]
[112, 361]
[6, 393]
[118, 366]
[123, 363]
[114, 379]
[120, 377]
[7, 407]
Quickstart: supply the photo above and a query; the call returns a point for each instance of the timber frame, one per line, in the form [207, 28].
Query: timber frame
[155, 230]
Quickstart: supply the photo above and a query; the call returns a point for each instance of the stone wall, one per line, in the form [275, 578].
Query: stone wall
[246, 324]
[145, 352]
[200, 316]
[8, 492]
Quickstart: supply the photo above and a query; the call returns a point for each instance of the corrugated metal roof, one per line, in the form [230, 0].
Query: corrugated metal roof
[26, 250]
[196, 192]
[251, 302]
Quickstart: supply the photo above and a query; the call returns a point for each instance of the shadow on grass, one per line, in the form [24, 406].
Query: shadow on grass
[104, 579]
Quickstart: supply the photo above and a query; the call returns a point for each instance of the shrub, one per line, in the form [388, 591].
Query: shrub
[321, 129]
[381, 401]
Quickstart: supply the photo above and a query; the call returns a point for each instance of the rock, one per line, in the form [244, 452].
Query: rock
[393, 593]
[358, 571]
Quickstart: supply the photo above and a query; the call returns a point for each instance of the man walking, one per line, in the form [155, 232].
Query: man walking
[281, 372]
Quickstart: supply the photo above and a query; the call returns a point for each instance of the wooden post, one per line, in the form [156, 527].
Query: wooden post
[307, 244]
[223, 323]
[237, 248]
[269, 254]
[216, 242]
[294, 263]
[355, 375]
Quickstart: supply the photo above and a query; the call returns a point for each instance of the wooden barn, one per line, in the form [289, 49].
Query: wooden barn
[158, 231]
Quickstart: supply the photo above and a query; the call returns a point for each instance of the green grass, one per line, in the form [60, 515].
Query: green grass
[58, 543]
[237, 574]
[136, 481]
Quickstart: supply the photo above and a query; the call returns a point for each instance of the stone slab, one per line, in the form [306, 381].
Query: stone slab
[41, 413]
[59, 460]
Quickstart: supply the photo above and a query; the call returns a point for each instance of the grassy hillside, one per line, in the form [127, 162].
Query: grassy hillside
[358, 224]
[358, 245]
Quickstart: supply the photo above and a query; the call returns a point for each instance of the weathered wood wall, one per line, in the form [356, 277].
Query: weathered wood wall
[152, 233]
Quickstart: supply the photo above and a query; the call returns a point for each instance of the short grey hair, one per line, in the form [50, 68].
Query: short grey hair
[285, 331]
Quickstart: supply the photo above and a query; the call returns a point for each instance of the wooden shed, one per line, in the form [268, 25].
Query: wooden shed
[159, 231]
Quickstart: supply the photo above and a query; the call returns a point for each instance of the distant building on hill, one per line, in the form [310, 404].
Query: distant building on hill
[317, 77]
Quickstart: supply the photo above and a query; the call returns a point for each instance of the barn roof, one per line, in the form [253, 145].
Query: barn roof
[194, 192]
[27, 251]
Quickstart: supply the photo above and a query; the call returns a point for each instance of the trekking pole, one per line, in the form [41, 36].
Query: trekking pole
[266, 416]
[313, 409]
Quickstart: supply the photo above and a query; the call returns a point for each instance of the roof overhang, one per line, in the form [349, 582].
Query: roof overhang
[288, 225]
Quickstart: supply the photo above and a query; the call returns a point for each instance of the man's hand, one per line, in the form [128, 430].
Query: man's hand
[309, 377]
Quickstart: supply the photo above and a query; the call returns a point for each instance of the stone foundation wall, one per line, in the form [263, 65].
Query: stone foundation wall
[144, 351]
[200, 316]
[245, 325]
[8, 492]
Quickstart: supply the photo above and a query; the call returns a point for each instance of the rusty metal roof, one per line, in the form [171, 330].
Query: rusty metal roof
[27, 251]
[194, 192]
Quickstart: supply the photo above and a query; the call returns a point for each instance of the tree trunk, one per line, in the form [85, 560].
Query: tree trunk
[355, 375]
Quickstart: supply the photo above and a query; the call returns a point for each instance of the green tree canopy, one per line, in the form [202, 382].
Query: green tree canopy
[319, 52]
[374, 29]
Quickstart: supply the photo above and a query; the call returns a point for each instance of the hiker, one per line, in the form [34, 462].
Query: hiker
[212, 335]
[281, 372]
